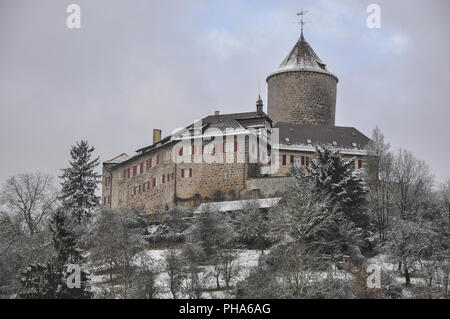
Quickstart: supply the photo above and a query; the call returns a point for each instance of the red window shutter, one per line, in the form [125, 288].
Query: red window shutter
[164, 179]
[235, 146]
[193, 149]
[190, 172]
[141, 169]
[104, 200]
[203, 149]
[360, 164]
[182, 173]
[151, 162]
[284, 160]
[223, 147]
[180, 151]
[307, 160]
[124, 173]
[303, 161]
[154, 182]
[157, 159]
[292, 159]
[128, 173]
[134, 170]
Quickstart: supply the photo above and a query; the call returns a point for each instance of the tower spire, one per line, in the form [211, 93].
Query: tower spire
[302, 22]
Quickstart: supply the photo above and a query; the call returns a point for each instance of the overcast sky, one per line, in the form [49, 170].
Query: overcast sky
[136, 65]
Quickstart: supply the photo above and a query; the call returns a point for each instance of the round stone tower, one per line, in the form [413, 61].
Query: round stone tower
[302, 90]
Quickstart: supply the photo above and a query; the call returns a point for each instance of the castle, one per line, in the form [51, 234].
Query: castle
[231, 157]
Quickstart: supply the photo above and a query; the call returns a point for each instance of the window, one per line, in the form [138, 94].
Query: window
[128, 173]
[307, 160]
[150, 162]
[134, 170]
[360, 164]
[297, 161]
[141, 168]
[225, 175]
[186, 172]
[235, 146]
[148, 186]
[291, 159]
[124, 173]
[157, 159]
[303, 161]
[284, 160]
[134, 190]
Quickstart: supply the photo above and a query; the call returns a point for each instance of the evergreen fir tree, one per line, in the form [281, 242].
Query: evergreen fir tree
[345, 187]
[80, 181]
[49, 280]
[67, 252]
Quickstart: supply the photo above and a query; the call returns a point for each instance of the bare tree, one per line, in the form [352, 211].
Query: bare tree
[32, 196]
[118, 243]
[413, 182]
[229, 265]
[173, 266]
[407, 242]
[379, 179]
[253, 225]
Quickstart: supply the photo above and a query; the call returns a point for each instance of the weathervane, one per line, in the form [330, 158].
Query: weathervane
[302, 18]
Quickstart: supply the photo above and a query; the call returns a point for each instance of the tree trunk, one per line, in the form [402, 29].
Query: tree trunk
[407, 275]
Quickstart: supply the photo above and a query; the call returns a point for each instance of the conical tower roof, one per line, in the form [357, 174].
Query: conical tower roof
[302, 58]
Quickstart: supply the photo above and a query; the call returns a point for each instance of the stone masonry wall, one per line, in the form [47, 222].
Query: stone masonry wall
[302, 98]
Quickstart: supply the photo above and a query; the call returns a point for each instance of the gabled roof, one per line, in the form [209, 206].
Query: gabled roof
[302, 58]
[343, 137]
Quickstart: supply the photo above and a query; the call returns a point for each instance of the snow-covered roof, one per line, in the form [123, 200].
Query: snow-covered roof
[118, 159]
[237, 205]
[302, 58]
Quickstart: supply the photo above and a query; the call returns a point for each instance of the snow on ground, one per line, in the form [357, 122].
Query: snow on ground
[247, 259]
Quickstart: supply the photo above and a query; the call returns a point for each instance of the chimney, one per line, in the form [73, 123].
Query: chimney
[216, 113]
[156, 135]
